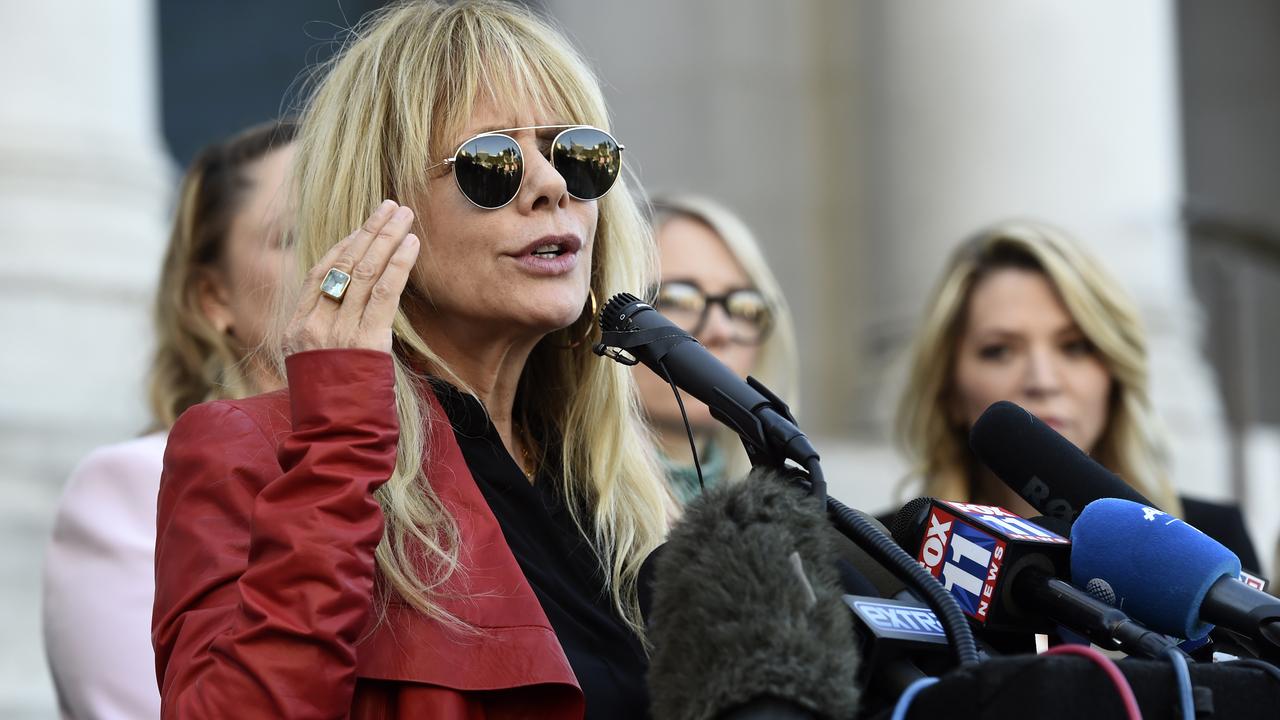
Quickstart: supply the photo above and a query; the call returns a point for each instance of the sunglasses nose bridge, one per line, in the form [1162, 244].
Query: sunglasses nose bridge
[542, 178]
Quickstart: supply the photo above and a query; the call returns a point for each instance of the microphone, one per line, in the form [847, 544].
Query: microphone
[635, 332]
[901, 642]
[1167, 573]
[747, 611]
[1045, 469]
[1005, 572]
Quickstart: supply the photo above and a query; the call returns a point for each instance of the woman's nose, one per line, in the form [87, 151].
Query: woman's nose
[1043, 376]
[543, 185]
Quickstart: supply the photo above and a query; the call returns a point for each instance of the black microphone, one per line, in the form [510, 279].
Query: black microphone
[901, 641]
[1044, 468]
[747, 611]
[1005, 572]
[634, 332]
[633, 328]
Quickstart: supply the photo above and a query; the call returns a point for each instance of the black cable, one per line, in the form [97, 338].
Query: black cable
[817, 482]
[884, 550]
[702, 486]
[1262, 665]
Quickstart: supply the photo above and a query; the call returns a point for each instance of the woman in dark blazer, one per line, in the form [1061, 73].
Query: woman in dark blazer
[445, 512]
[1023, 313]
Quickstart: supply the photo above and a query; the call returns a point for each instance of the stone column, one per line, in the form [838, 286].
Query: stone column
[1062, 110]
[84, 185]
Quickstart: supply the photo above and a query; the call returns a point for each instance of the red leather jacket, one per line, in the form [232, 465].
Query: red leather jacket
[265, 573]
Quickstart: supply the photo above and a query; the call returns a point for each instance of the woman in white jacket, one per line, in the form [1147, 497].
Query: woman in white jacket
[217, 288]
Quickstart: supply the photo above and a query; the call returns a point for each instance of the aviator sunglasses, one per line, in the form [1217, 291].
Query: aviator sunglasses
[489, 168]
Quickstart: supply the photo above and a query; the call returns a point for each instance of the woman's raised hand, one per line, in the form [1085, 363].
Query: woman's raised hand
[378, 257]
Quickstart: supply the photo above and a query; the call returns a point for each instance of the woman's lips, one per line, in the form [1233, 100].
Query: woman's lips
[559, 256]
[548, 266]
[1055, 422]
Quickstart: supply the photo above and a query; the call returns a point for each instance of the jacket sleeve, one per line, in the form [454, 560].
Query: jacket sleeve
[265, 546]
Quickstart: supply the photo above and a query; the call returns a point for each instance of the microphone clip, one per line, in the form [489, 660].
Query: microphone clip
[616, 344]
[751, 431]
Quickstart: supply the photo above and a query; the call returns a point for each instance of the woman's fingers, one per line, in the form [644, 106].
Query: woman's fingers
[384, 297]
[357, 243]
[369, 268]
[318, 320]
[341, 256]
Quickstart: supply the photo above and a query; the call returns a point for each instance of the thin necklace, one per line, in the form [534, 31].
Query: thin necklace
[527, 465]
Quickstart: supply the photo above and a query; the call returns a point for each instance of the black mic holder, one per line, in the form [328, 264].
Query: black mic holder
[752, 425]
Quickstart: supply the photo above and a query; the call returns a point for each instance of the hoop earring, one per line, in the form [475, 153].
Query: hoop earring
[595, 309]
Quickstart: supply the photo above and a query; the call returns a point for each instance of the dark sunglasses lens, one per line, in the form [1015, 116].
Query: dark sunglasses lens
[488, 170]
[589, 159]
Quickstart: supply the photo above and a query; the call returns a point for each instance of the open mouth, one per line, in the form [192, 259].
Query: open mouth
[551, 250]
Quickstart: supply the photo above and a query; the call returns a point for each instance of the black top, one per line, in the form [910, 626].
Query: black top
[558, 562]
[1224, 523]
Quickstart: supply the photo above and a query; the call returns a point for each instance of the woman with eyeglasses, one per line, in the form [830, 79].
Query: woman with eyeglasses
[1023, 313]
[221, 271]
[716, 284]
[444, 513]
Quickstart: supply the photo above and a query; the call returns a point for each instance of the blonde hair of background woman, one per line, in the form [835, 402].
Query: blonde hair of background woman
[1133, 444]
[391, 106]
[776, 362]
[193, 361]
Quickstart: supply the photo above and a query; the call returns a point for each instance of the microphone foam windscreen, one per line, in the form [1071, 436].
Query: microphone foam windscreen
[1158, 567]
[747, 606]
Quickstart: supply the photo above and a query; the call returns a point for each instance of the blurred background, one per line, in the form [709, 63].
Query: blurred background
[861, 140]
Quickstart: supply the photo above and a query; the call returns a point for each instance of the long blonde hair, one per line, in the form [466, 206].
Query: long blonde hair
[383, 113]
[193, 361]
[776, 362]
[1133, 444]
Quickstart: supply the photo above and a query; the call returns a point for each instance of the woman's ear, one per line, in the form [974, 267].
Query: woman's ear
[214, 298]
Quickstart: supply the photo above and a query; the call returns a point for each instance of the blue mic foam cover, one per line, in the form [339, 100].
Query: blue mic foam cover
[1159, 567]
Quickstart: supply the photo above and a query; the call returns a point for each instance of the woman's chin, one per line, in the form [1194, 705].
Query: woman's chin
[549, 314]
[546, 323]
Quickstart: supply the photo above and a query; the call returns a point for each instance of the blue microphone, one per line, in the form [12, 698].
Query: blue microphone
[1167, 574]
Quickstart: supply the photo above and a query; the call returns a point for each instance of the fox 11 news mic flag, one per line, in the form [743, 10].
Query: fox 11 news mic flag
[973, 550]
[1006, 572]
